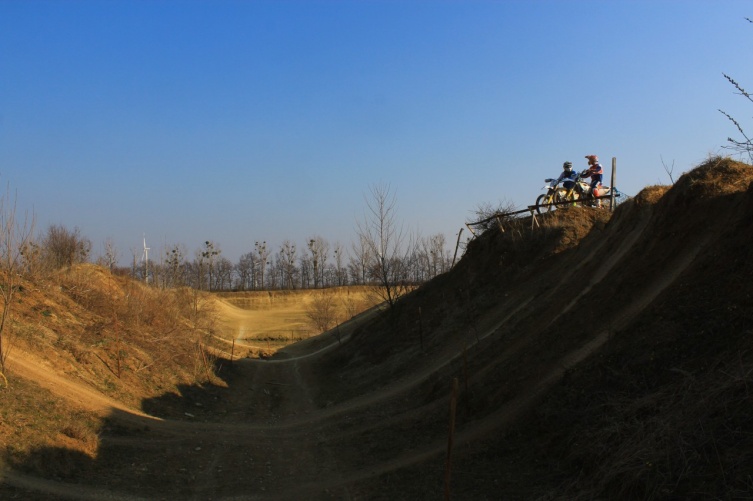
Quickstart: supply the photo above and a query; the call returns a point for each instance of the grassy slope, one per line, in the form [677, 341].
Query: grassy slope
[662, 407]
[658, 408]
[127, 342]
[281, 317]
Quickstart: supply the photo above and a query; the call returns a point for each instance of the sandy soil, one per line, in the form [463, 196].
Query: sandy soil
[365, 415]
[266, 438]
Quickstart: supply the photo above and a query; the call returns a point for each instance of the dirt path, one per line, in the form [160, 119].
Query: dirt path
[257, 443]
[265, 437]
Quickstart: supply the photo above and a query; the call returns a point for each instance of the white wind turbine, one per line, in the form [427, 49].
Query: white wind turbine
[145, 259]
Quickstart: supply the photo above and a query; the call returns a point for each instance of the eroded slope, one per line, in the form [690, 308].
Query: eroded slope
[596, 357]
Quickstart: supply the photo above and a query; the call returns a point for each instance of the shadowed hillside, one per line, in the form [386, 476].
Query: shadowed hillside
[597, 357]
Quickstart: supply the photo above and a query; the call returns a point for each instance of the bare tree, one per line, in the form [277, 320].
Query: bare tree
[207, 258]
[340, 273]
[134, 262]
[245, 270]
[262, 256]
[322, 311]
[63, 248]
[175, 263]
[319, 249]
[487, 214]
[384, 237]
[359, 262]
[744, 146]
[15, 236]
[439, 255]
[272, 275]
[223, 274]
[305, 271]
[32, 260]
[668, 169]
[111, 255]
[287, 264]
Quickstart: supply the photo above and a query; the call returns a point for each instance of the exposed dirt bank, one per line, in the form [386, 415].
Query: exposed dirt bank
[598, 357]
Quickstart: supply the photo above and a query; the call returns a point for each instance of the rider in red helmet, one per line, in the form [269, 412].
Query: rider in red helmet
[595, 172]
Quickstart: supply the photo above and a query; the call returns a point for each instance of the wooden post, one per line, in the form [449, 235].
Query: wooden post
[499, 224]
[457, 244]
[450, 438]
[206, 364]
[420, 329]
[614, 177]
[465, 375]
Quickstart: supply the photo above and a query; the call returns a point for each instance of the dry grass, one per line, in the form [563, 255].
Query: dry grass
[716, 177]
[32, 419]
[661, 411]
[282, 317]
[679, 441]
[650, 194]
[127, 340]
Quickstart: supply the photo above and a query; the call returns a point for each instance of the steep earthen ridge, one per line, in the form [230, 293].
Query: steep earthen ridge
[598, 358]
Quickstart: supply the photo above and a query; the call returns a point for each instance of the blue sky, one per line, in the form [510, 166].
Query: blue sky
[239, 121]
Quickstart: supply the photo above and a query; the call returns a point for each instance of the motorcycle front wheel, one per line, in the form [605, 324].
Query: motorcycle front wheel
[544, 203]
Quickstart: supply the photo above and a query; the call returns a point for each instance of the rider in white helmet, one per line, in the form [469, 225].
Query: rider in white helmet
[567, 178]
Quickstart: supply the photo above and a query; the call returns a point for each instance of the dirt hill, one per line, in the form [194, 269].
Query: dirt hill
[269, 320]
[597, 356]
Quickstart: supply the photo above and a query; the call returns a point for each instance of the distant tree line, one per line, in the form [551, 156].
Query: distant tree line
[316, 264]
[382, 255]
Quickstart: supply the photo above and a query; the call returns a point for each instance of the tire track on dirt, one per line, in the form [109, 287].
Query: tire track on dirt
[60, 489]
[78, 392]
[626, 244]
[516, 407]
[295, 432]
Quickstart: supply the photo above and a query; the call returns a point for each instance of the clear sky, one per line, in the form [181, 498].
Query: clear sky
[237, 121]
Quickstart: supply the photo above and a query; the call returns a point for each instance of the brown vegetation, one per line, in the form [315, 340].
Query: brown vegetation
[273, 319]
[598, 356]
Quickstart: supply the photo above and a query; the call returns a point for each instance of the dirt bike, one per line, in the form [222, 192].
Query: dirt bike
[602, 198]
[579, 193]
[555, 194]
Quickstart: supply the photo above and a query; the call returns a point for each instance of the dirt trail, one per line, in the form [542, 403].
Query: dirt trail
[296, 427]
[364, 415]
[78, 392]
[271, 440]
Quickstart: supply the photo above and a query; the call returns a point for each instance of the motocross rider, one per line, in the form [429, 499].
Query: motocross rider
[595, 172]
[568, 175]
